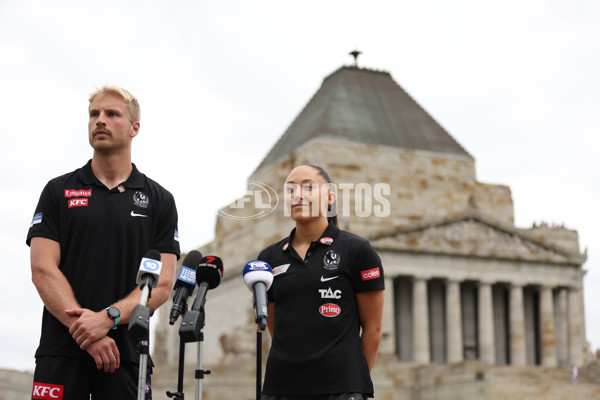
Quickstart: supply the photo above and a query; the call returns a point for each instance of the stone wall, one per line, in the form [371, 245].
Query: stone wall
[15, 385]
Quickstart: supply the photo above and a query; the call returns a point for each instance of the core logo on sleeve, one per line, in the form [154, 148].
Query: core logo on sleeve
[330, 310]
[370, 274]
[141, 199]
[78, 202]
[281, 269]
[47, 391]
[37, 219]
[78, 193]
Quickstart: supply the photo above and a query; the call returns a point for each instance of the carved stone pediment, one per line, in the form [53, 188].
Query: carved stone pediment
[475, 237]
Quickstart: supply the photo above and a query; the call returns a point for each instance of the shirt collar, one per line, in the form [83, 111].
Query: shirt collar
[135, 180]
[326, 239]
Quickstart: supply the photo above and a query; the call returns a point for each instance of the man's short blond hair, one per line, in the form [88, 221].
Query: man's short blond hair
[130, 101]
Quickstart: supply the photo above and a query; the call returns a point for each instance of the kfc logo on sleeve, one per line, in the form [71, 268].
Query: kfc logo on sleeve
[370, 274]
[47, 391]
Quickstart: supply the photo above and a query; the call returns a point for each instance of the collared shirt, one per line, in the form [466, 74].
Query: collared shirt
[103, 234]
[316, 347]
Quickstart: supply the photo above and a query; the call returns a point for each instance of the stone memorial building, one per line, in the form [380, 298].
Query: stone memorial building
[467, 291]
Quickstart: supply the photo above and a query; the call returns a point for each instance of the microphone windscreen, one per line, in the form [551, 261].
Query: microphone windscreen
[150, 266]
[210, 270]
[192, 259]
[257, 271]
[187, 272]
[153, 254]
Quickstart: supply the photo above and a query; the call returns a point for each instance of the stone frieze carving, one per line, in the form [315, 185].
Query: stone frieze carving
[471, 237]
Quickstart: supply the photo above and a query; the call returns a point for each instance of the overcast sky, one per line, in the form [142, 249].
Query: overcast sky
[514, 82]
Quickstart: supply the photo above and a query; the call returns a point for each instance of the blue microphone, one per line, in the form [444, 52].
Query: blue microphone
[185, 284]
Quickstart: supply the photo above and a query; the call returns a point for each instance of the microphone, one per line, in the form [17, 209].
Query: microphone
[149, 271]
[258, 277]
[185, 284]
[208, 276]
[147, 277]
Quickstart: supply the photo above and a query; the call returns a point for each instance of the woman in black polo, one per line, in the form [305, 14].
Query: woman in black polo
[326, 300]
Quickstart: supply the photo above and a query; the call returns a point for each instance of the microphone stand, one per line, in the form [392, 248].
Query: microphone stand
[191, 331]
[179, 395]
[199, 373]
[139, 327]
[261, 325]
[258, 362]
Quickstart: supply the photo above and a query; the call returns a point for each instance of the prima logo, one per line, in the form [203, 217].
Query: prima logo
[260, 200]
[330, 310]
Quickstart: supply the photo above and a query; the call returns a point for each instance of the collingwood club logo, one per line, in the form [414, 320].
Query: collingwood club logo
[331, 261]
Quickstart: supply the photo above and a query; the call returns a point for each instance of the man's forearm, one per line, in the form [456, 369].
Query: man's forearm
[56, 294]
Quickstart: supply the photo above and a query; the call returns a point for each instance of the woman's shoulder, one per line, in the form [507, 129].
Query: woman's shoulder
[273, 248]
[353, 238]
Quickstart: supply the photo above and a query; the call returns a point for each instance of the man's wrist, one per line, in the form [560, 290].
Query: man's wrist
[114, 314]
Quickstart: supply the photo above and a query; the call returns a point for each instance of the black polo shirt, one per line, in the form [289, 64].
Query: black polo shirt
[316, 347]
[103, 234]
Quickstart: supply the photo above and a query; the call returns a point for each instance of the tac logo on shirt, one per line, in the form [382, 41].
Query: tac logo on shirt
[370, 274]
[78, 202]
[141, 199]
[47, 391]
[331, 260]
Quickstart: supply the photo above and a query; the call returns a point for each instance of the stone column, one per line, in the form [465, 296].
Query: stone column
[421, 321]
[561, 332]
[387, 324]
[454, 343]
[517, 326]
[485, 321]
[547, 327]
[575, 327]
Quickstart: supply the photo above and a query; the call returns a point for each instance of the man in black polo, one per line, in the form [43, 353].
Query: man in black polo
[89, 232]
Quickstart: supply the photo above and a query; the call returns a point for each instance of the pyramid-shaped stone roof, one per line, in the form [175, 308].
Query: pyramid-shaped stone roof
[366, 106]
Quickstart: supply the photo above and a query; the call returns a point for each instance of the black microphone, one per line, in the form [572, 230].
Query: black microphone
[185, 284]
[258, 277]
[208, 276]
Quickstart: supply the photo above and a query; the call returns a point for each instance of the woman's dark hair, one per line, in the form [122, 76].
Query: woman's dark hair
[332, 208]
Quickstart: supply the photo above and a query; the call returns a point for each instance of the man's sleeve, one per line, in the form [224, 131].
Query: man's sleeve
[45, 218]
[167, 234]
